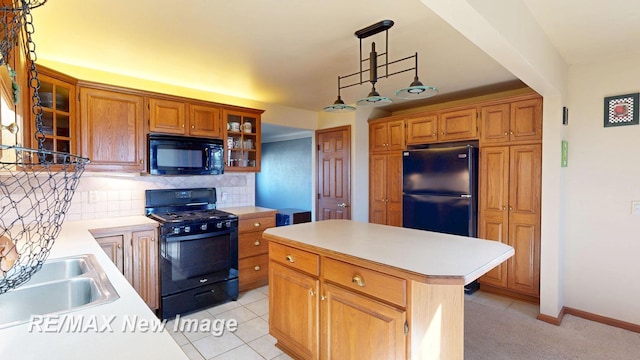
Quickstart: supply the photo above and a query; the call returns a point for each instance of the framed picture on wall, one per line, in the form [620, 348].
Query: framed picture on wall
[621, 110]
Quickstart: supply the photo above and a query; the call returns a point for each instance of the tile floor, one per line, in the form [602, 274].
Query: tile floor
[252, 340]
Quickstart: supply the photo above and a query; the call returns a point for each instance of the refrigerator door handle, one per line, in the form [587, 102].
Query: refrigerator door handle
[468, 196]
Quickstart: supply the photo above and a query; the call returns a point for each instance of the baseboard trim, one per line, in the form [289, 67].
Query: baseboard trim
[588, 316]
[511, 294]
[602, 319]
[552, 320]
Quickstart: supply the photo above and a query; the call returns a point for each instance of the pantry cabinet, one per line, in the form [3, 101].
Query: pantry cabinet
[386, 134]
[385, 188]
[112, 128]
[134, 251]
[509, 212]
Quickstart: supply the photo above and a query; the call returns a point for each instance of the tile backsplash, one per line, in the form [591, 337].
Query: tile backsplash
[106, 195]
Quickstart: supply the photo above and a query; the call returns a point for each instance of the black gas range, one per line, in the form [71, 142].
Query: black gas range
[198, 249]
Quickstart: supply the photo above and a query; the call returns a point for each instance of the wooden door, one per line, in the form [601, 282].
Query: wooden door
[422, 130]
[493, 186]
[524, 218]
[358, 327]
[457, 125]
[112, 246]
[144, 266]
[296, 327]
[378, 188]
[526, 120]
[495, 124]
[334, 173]
[394, 188]
[204, 121]
[112, 130]
[167, 116]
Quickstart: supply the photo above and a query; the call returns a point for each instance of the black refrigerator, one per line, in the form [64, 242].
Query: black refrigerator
[439, 191]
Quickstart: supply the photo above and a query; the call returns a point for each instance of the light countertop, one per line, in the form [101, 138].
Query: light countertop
[436, 256]
[246, 210]
[117, 341]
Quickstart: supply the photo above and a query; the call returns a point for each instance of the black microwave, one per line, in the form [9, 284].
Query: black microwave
[181, 155]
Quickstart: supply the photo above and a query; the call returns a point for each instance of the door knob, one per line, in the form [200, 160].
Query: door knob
[342, 205]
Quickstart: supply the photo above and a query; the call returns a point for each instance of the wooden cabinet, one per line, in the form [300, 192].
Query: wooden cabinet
[334, 309]
[182, 118]
[385, 188]
[135, 252]
[253, 250]
[113, 136]
[509, 212]
[517, 121]
[386, 135]
[458, 125]
[242, 147]
[442, 126]
[59, 117]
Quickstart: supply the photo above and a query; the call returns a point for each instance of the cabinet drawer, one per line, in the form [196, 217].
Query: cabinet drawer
[253, 269]
[251, 244]
[256, 224]
[371, 282]
[295, 258]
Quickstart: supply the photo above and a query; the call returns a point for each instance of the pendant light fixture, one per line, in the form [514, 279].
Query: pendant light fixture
[416, 89]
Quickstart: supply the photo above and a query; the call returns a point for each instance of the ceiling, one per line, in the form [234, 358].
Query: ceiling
[290, 52]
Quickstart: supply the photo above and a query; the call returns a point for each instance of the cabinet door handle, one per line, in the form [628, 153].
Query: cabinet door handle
[290, 259]
[358, 280]
[506, 133]
[256, 224]
[511, 132]
[442, 133]
[311, 292]
[257, 243]
[510, 208]
[193, 126]
[257, 268]
[323, 298]
[119, 246]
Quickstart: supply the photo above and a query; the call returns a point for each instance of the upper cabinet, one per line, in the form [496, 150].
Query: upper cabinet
[441, 126]
[242, 145]
[59, 118]
[387, 134]
[112, 124]
[183, 118]
[517, 121]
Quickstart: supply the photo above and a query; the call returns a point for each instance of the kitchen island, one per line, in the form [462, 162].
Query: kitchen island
[123, 329]
[342, 289]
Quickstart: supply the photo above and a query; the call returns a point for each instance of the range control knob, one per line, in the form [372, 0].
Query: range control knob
[187, 229]
[219, 225]
[203, 227]
[175, 230]
[227, 224]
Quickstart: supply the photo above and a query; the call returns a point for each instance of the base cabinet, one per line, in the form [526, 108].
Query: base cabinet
[135, 253]
[253, 250]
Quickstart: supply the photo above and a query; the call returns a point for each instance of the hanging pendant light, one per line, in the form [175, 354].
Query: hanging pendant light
[338, 106]
[374, 99]
[416, 89]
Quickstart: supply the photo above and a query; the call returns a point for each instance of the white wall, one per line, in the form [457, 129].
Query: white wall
[602, 247]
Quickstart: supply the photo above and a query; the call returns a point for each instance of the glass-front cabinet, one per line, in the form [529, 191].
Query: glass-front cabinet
[59, 126]
[242, 145]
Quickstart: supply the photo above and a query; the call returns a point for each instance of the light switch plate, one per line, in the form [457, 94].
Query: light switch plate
[635, 207]
[223, 196]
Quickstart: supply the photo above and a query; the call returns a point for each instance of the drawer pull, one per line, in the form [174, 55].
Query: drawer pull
[256, 224]
[257, 268]
[358, 280]
[257, 243]
[290, 259]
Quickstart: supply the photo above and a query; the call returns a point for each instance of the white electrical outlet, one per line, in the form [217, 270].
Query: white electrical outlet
[635, 207]
[93, 197]
[223, 196]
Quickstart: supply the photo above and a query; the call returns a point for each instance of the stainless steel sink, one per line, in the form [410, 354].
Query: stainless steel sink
[61, 286]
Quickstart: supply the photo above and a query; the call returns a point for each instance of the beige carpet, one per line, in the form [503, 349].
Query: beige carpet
[495, 334]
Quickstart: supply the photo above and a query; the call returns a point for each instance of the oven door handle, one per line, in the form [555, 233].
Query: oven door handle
[196, 236]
